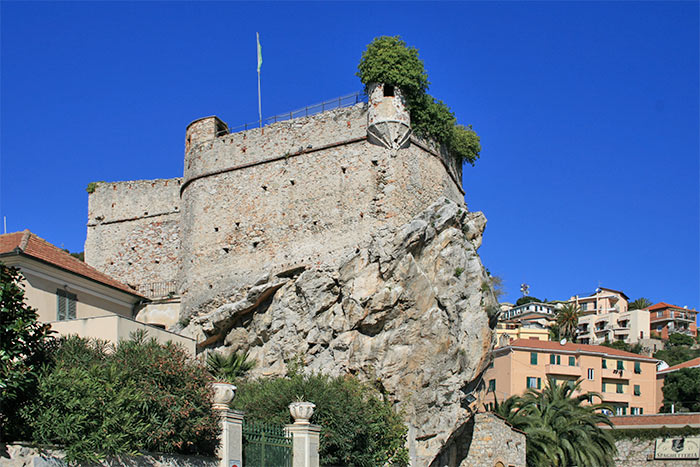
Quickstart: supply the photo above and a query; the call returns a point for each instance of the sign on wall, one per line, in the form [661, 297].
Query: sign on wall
[687, 447]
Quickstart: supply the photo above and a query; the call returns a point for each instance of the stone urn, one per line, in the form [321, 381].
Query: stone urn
[223, 395]
[301, 412]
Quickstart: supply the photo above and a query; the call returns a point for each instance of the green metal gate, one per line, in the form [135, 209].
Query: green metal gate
[266, 445]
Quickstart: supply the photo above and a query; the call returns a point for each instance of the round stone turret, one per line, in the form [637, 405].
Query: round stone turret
[388, 120]
[204, 129]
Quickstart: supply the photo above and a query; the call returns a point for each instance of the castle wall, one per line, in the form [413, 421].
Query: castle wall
[133, 232]
[300, 192]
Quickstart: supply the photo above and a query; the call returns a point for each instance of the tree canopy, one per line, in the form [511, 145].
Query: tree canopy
[389, 60]
[560, 429]
[527, 299]
[681, 390]
[567, 319]
[640, 304]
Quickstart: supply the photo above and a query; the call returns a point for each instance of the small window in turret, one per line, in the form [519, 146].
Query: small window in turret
[388, 90]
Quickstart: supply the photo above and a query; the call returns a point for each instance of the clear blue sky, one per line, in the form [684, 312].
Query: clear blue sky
[588, 115]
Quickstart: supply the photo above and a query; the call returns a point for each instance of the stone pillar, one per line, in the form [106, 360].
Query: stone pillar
[305, 436]
[231, 445]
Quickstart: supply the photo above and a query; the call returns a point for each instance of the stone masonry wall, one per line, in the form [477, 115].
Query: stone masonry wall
[302, 192]
[640, 453]
[133, 231]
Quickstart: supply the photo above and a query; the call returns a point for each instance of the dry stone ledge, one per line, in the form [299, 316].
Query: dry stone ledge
[409, 309]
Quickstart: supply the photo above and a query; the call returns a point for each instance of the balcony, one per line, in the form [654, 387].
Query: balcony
[563, 370]
[613, 373]
[615, 397]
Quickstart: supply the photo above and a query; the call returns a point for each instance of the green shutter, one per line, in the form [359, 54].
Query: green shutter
[572, 361]
[603, 388]
[539, 383]
[533, 358]
[72, 299]
[641, 411]
[605, 363]
[620, 365]
[60, 305]
[637, 390]
[619, 388]
[552, 359]
[637, 367]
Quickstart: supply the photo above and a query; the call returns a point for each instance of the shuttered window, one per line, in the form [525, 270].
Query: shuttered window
[65, 305]
[637, 367]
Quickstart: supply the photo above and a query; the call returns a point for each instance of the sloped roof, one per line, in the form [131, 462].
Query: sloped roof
[28, 244]
[664, 305]
[569, 347]
[694, 363]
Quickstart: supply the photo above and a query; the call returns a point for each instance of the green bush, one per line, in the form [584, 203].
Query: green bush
[358, 427]
[389, 60]
[139, 396]
[24, 344]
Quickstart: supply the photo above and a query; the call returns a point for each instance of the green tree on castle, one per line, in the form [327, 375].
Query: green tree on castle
[390, 61]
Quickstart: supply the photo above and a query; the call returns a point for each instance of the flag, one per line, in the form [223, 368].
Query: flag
[257, 35]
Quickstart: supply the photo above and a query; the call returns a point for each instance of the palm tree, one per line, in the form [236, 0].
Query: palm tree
[229, 368]
[567, 319]
[560, 430]
[639, 304]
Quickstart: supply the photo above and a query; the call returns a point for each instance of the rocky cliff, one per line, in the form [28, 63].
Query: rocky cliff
[410, 308]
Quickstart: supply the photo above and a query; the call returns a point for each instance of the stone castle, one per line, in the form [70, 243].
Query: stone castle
[340, 238]
[293, 194]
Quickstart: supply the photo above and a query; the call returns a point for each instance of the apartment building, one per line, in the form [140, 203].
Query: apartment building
[666, 319]
[527, 321]
[601, 302]
[626, 381]
[630, 326]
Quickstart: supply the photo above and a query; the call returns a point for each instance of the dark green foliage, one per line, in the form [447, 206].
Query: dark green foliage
[682, 389]
[676, 354]
[80, 255]
[358, 427]
[389, 60]
[524, 300]
[139, 396]
[560, 430]
[92, 186]
[227, 369]
[24, 343]
[622, 345]
[677, 338]
[639, 304]
[567, 319]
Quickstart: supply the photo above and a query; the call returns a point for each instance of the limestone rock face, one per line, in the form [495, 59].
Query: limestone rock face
[409, 310]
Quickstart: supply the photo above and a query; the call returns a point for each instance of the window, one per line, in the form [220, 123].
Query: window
[555, 359]
[533, 358]
[637, 367]
[634, 411]
[620, 365]
[604, 387]
[641, 411]
[572, 361]
[584, 306]
[637, 391]
[492, 385]
[65, 305]
[591, 374]
[620, 410]
[620, 389]
[605, 363]
[659, 314]
[534, 383]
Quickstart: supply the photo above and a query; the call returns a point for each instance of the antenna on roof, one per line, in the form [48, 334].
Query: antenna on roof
[525, 289]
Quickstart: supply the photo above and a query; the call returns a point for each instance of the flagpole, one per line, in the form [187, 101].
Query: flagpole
[259, 102]
[257, 38]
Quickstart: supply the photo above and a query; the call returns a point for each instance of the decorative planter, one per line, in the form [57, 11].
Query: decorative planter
[301, 412]
[223, 395]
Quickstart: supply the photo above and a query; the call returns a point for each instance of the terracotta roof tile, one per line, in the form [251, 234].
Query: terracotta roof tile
[569, 347]
[664, 305]
[29, 244]
[689, 364]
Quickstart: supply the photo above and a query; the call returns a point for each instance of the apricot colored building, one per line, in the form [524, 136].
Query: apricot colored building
[666, 319]
[626, 381]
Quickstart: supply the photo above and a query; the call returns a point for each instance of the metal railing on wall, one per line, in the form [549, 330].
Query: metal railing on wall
[337, 103]
[158, 289]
